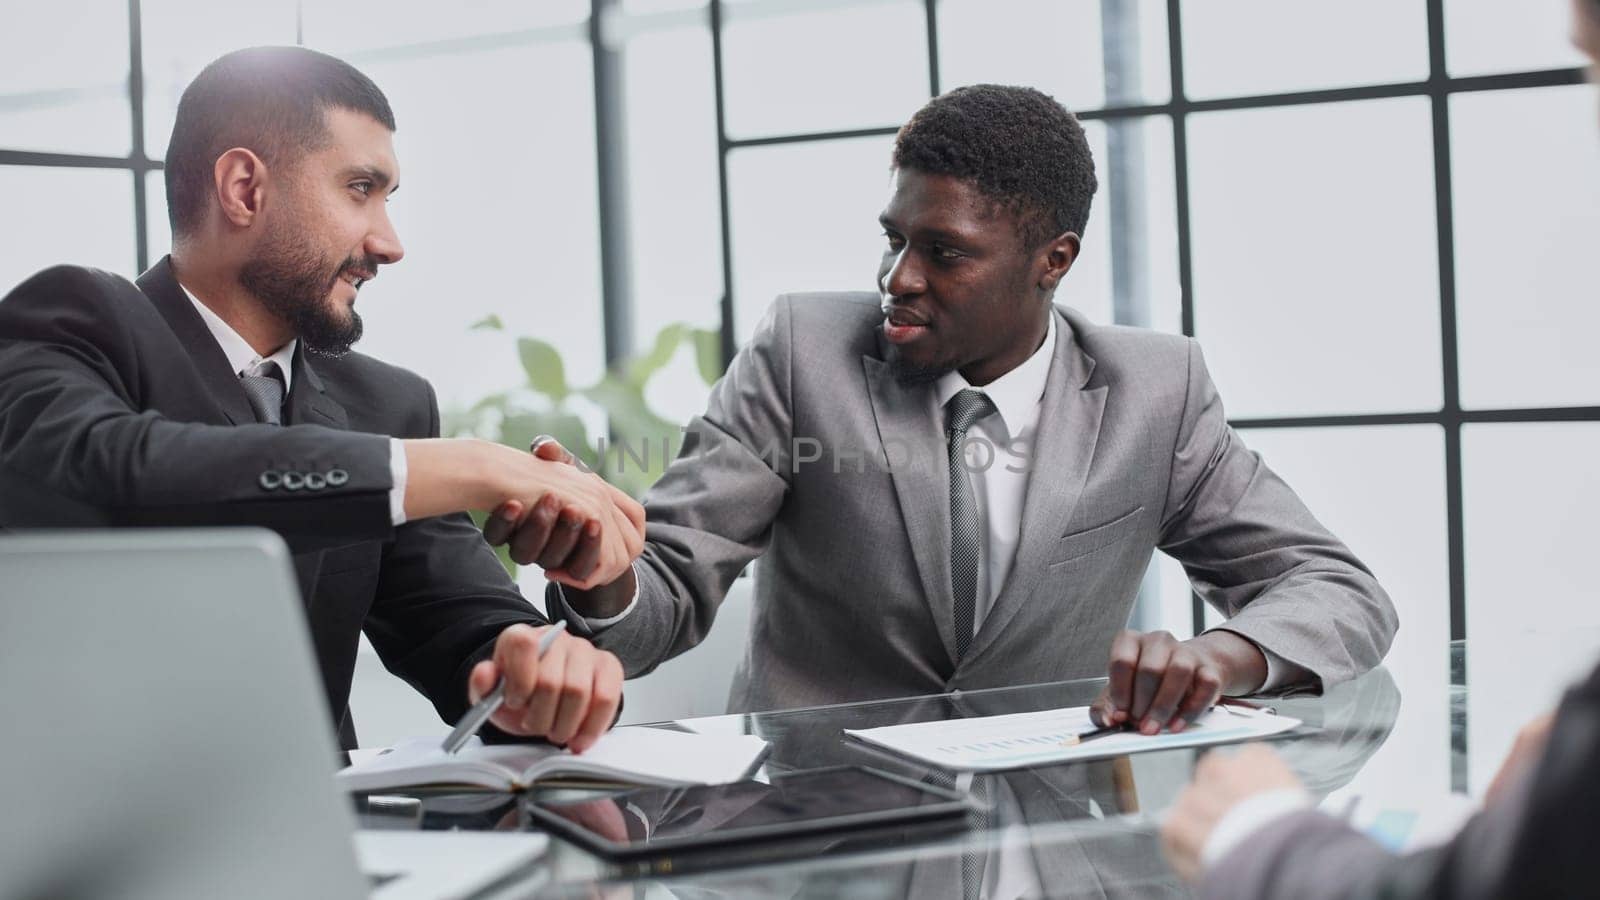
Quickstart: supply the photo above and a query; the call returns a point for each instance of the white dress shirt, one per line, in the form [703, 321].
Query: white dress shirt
[242, 357]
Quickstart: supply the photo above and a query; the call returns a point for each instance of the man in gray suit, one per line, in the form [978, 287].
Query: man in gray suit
[1076, 449]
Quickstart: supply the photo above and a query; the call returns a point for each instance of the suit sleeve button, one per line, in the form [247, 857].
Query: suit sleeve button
[270, 480]
[338, 477]
[315, 481]
[293, 481]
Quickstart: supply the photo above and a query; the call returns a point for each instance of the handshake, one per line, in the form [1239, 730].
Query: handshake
[583, 532]
[552, 512]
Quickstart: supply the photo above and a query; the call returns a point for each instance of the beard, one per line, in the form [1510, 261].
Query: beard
[913, 373]
[295, 284]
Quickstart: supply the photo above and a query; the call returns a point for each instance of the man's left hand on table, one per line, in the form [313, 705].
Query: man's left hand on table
[1157, 682]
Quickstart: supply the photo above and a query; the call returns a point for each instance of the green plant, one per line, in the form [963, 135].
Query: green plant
[639, 442]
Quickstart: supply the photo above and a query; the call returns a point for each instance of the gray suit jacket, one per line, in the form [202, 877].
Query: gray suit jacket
[813, 453]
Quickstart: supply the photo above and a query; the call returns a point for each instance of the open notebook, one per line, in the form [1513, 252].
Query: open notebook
[647, 756]
[993, 743]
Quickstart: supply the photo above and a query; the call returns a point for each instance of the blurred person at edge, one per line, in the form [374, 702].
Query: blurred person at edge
[1245, 828]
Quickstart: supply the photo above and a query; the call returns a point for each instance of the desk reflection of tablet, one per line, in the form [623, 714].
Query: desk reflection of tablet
[656, 820]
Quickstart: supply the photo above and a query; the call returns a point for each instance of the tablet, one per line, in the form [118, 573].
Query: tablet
[652, 820]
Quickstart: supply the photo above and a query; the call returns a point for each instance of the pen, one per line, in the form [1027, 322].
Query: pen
[491, 702]
[1076, 739]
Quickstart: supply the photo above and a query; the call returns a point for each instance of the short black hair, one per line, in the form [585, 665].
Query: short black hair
[270, 100]
[1022, 149]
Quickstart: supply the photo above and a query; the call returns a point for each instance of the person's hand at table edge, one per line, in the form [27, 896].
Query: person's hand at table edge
[1222, 781]
[1525, 751]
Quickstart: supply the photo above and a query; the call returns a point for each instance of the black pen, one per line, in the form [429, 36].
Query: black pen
[1077, 739]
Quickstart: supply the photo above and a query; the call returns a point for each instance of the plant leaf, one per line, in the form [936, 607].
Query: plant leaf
[489, 323]
[641, 442]
[708, 353]
[520, 429]
[641, 368]
[493, 401]
[542, 362]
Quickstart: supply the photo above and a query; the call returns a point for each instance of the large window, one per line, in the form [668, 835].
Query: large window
[1374, 214]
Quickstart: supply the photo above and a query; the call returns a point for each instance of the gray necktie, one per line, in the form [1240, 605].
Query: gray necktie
[263, 384]
[974, 855]
[975, 860]
[965, 529]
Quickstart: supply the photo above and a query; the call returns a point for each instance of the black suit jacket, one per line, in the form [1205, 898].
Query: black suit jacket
[117, 407]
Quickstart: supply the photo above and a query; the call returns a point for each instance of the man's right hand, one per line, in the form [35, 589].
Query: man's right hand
[591, 531]
[549, 537]
[540, 540]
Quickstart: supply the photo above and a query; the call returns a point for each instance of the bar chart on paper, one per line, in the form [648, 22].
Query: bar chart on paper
[994, 743]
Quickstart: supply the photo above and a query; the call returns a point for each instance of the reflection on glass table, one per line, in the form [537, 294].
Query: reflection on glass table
[1084, 829]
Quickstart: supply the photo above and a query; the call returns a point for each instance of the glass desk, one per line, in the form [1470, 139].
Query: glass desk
[1072, 830]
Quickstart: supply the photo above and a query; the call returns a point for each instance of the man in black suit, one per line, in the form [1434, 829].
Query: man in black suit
[221, 391]
[1245, 828]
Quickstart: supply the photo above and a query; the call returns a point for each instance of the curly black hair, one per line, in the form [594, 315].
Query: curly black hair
[1022, 149]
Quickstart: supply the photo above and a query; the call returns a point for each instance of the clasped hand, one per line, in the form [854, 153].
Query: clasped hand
[582, 531]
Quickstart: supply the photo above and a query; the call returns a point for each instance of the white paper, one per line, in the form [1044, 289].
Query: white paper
[1018, 740]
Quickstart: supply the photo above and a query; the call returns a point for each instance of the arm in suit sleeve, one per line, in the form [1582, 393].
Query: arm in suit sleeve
[1253, 550]
[442, 600]
[1538, 841]
[711, 513]
[1312, 856]
[77, 449]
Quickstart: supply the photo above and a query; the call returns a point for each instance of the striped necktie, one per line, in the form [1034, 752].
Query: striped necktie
[966, 407]
[263, 384]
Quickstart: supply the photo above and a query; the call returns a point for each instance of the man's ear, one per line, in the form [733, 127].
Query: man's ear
[239, 180]
[1059, 255]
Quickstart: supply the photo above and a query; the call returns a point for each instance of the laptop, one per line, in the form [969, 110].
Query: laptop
[166, 735]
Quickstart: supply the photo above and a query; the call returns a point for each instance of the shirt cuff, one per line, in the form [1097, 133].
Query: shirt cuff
[1248, 817]
[594, 626]
[397, 476]
[1280, 671]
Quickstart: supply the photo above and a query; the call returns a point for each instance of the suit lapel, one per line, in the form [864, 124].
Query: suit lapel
[309, 403]
[1063, 448]
[909, 431]
[218, 378]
